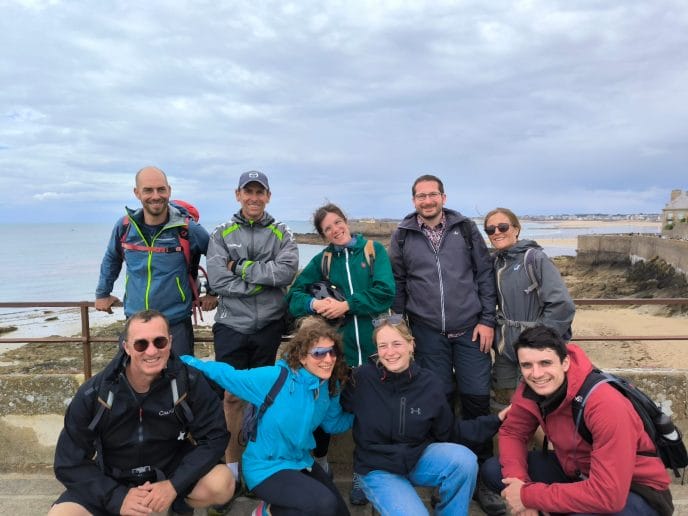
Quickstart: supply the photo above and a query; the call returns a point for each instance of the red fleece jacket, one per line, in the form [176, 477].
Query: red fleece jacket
[610, 464]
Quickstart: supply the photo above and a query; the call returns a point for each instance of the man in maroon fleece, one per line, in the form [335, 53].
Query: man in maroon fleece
[618, 473]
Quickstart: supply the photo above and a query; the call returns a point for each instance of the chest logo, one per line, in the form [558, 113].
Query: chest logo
[415, 411]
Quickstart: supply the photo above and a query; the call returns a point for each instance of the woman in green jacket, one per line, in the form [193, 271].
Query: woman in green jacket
[362, 274]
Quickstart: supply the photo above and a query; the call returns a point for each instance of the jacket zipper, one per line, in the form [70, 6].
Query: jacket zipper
[402, 415]
[351, 289]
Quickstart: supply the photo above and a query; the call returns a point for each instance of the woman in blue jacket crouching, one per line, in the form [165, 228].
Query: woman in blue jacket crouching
[278, 466]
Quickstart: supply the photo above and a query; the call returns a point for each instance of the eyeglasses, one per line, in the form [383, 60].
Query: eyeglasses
[321, 353]
[433, 196]
[503, 227]
[141, 345]
[393, 319]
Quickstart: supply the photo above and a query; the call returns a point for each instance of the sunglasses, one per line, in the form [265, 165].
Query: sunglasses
[321, 353]
[141, 345]
[502, 227]
[393, 319]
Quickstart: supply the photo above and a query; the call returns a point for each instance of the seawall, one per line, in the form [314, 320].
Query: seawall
[626, 249]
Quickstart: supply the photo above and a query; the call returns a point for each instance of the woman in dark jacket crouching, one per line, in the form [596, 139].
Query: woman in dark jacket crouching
[401, 425]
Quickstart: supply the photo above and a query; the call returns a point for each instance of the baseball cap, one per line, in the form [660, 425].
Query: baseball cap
[254, 175]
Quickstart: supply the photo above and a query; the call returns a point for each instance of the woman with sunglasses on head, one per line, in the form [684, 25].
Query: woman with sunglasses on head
[530, 291]
[277, 465]
[362, 273]
[402, 426]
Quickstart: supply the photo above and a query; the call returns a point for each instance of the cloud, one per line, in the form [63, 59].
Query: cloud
[513, 103]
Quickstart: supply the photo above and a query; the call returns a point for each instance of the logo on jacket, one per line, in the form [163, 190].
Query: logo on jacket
[181, 435]
[517, 266]
[415, 411]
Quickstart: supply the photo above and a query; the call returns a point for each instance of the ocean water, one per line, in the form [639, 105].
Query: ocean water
[61, 262]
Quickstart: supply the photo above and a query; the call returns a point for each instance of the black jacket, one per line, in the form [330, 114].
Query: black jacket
[450, 290]
[138, 431]
[397, 415]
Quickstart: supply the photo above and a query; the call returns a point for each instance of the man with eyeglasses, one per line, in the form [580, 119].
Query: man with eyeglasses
[144, 435]
[445, 285]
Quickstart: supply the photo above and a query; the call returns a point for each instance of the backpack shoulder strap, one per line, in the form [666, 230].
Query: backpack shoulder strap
[465, 228]
[369, 252]
[401, 240]
[106, 393]
[530, 265]
[274, 391]
[325, 264]
[179, 386]
[591, 382]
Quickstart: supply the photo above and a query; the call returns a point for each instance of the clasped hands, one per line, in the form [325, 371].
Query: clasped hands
[330, 308]
[148, 498]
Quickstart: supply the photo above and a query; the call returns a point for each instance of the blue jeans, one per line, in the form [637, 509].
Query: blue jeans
[546, 468]
[451, 467]
[458, 357]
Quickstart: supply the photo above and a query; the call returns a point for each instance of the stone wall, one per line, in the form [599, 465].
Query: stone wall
[594, 249]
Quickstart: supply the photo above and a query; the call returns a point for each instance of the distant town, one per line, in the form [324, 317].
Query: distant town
[649, 217]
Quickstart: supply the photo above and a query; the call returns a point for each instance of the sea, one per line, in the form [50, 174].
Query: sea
[61, 262]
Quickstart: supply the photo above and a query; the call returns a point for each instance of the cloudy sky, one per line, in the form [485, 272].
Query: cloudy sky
[543, 106]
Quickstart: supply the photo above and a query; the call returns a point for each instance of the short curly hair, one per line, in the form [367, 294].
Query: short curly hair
[310, 330]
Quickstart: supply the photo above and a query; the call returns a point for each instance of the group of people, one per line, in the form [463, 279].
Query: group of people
[388, 342]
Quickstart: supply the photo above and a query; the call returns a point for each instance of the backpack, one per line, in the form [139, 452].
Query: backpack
[667, 438]
[253, 414]
[190, 212]
[368, 251]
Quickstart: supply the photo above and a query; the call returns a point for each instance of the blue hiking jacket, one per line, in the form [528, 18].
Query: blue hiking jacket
[285, 433]
[154, 280]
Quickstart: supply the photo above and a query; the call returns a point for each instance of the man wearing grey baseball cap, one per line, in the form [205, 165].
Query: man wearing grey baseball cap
[251, 259]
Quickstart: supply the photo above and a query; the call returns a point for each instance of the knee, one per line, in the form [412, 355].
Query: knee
[491, 474]
[324, 503]
[215, 488]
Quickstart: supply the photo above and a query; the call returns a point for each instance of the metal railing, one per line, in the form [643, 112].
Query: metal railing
[86, 339]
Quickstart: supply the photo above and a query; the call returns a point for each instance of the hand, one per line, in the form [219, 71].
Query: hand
[160, 495]
[331, 308]
[208, 302]
[502, 413]
[105, 304]
[532, 512]
[512, 495]
[134, 503]
[485, 334]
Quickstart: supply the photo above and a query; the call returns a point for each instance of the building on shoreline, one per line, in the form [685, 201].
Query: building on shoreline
[675, 216]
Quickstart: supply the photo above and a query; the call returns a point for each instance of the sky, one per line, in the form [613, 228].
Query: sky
[542, 106]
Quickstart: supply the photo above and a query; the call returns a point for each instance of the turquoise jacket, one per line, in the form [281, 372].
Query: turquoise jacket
[368, 296]
[285, 433]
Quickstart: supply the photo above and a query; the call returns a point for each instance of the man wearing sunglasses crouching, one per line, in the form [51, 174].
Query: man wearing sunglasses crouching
[144, 435]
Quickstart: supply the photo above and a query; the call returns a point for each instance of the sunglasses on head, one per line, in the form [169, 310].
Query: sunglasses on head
[503, 227]
[320, 353]
[141, 345]
[393, 319]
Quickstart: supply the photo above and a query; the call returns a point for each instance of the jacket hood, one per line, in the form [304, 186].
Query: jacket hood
[404, 376]
[359, 243]
[580, 368]
[453, 217]
[265, 220]
[175, 216]
[520, 247]
[303, 376]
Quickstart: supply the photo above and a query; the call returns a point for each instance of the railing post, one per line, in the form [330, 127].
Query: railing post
[86, 339]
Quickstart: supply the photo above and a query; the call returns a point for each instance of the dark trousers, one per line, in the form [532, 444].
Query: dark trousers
[458, 360]
[243, 351]
[544, 467]
[305, 492]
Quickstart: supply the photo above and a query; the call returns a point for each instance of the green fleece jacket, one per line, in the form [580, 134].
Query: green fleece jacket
[368, 296]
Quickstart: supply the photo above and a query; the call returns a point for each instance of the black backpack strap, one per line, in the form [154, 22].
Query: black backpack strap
[401, 239]
[595, 378]
[465, 228]
[272, 394]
